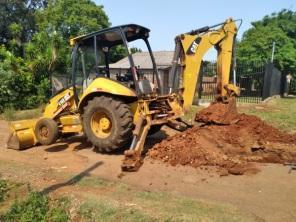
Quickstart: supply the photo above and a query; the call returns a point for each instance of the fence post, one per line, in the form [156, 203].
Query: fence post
[273, 81]
[267, 81]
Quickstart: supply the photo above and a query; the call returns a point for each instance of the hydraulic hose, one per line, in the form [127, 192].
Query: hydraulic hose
[173, 72]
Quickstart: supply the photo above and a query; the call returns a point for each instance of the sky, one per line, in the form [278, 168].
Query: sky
[166, 19]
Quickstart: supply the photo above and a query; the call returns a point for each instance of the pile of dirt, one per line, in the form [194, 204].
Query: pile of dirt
[219, 113]
[231, 148]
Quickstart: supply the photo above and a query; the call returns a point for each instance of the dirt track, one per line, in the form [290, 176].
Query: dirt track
[270, 194]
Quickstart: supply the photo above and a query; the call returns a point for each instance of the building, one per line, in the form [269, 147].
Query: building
[142, 60]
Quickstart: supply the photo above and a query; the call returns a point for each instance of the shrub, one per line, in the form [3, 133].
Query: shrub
[18, 88]
[37, 207]
[3, 189]
[9, 113]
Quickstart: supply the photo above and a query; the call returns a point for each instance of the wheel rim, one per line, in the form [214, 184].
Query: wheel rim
[101, 124]
[43, 132]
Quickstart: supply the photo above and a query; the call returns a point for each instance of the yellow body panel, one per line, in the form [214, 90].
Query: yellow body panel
[23, 133]
[222, 39]
[71, 129]
[70, 124]
[60, 102]
[26, 137]
[70, 120]
[135, 111]
[104, 85]
[23, 124]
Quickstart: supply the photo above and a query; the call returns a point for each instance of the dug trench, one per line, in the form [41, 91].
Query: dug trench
[232, 147]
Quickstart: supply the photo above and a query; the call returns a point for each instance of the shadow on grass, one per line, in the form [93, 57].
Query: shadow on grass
[73, 180]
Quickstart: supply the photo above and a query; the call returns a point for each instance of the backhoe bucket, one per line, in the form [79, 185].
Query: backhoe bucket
[219, 112]
[132, 161]
[22, 134]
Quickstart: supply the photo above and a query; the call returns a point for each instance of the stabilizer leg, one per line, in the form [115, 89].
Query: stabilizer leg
[132, 157]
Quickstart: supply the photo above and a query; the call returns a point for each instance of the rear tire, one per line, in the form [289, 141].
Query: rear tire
[107, 123]
[46, 131]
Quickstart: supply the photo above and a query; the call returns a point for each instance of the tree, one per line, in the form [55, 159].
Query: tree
[17, 88]
[72, 17]
[135, 50]
[256, 44]
[34, 43]
[49, 51]
[17, 22]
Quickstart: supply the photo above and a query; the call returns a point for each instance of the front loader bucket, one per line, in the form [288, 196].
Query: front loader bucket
[22, 134]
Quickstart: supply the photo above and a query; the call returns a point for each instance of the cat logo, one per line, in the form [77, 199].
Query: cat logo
[192, 49]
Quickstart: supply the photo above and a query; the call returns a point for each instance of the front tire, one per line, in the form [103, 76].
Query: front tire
[46, 131]
[107, 123]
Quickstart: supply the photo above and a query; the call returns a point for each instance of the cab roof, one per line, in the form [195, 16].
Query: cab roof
[109, 37]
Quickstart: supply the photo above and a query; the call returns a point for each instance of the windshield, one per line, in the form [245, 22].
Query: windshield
[120, 66]
[99, 60]
[92, 61]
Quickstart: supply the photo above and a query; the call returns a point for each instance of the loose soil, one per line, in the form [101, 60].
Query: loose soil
[219, 113]
[232, 148]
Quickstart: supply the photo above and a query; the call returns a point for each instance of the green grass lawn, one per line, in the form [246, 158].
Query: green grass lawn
[95, 199]
[240, 99]
[11, 114]
[279, 112]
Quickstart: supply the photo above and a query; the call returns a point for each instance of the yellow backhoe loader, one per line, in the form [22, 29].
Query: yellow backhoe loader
[114, 112]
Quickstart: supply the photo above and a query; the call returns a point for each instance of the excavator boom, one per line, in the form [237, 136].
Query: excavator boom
[189, 52]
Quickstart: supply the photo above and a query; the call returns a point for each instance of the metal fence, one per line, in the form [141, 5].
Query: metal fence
[207, 80]
[256, 81]
[249, 77]
[274, 81]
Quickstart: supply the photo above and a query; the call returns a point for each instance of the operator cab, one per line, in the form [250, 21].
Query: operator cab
[93, 53]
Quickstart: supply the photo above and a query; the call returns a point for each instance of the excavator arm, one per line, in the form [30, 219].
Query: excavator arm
[190, 50]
